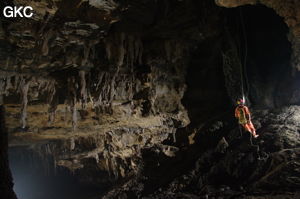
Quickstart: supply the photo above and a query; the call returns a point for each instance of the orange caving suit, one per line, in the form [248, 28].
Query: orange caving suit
[242, 113]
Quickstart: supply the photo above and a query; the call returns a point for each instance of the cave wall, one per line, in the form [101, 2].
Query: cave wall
[6, 184]
[95, 89]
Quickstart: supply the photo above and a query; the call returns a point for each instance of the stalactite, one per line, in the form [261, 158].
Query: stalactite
[16, 82]
[115, 167]
[48, 87]
[100, 77]
[74, 115]
[138, 50]
[174, 134]
[86, 53]
[177, 52]
[130, 87]
[97, 158]
[131, 53]
[108, 48]
[2, 85]
[2, 90]
[134, 50]
[24, 87]
[168, 50]
[45, 45]
[72, 144]
[54, 166]
[105, 85]
[112, 88]
[8, 85]
[115, 50]
[120, 50]
[83, 90]
[72, 86]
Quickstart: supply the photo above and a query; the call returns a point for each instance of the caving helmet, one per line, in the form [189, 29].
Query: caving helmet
[241, 101]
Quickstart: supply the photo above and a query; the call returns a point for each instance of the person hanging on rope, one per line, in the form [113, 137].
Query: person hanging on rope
[242, 113]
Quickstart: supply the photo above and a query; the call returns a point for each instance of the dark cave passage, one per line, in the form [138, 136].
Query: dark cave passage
[261, 36]
[262, 46]
[205, 83]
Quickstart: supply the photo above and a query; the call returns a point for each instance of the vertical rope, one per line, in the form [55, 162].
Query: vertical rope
[244, 65]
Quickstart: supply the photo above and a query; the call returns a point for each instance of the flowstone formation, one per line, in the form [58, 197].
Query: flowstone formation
[135, 98]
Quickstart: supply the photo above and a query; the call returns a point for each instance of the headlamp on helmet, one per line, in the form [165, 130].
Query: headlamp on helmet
[240, 102]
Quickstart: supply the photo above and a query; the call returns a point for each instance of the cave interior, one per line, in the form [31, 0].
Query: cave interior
[135, 99]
